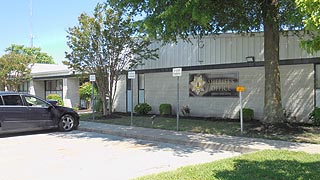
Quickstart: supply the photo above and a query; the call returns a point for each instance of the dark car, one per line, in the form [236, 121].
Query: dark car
[21, 112]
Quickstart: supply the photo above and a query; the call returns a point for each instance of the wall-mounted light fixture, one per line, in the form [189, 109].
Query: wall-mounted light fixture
[250, 59]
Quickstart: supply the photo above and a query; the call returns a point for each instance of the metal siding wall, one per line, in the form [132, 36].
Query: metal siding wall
[213, 59]
[291, 48]
[245, 47]
[283, 47]
[218, 52]
[222, 49]
[228, 50]
[251, 45]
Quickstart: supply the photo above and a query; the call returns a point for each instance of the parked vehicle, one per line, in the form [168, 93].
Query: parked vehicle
[21, 112]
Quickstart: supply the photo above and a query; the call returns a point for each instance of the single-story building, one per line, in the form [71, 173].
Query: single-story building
[211, 69]
[53, 79]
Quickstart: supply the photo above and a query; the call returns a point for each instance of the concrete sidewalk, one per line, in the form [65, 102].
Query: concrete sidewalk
[229, 143]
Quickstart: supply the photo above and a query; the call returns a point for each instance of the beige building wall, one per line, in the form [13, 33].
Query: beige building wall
[297, 92]
[71, 92]
[120, 96]
[37, 87]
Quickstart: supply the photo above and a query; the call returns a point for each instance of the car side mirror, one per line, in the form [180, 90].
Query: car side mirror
[50, 107]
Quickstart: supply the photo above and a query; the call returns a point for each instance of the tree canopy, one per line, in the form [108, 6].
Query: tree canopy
[169, 19]
[15, 70]
[106, 44]
[310, 9]
[35, 52]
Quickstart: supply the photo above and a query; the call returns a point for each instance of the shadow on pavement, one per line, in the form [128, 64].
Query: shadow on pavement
[179, 150]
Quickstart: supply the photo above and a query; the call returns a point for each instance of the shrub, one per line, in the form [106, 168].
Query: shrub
[98, 104]
[85, 92]
[142, 109]
[165, 109]
[247, 114]
[315, 116]
[56, 97]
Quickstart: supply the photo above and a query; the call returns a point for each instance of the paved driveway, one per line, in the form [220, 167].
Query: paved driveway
[82, 156]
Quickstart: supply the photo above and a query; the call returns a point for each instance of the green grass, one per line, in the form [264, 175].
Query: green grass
[264, 165]
[218, 127]
[169, 123]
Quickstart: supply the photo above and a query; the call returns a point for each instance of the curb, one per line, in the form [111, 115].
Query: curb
[164, 139]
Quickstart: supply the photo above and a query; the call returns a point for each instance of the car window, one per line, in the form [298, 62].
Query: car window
[35, 102]
[12, 100]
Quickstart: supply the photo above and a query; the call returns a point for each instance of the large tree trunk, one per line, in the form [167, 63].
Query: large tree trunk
[102, 83]
[273, 112]
[110, 85]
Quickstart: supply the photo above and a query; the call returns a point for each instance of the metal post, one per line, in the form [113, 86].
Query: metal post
[178, 109]
[131, 102]
[92, 99]
[241, 115]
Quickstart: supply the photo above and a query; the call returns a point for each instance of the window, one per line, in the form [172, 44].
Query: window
[54, 87]
[141, 88]
[129, 81]
[12, 100]
[24, 87]
[129, 95]
[35, 102]
[1, 103]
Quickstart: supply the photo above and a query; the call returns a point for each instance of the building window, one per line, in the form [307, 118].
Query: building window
[129, 95]
[24, 87]
[141, 88]
[54, 87]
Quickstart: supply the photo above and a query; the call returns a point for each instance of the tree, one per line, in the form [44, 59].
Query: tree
[169, 19]
[311, 12]
[106, 44]
[15, 70]
[40, 57]
[85, 92]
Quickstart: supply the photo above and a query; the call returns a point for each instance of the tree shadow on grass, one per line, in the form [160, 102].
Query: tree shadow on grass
[270, 170]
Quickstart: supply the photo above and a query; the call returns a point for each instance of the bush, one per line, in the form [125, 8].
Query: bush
[56, 97]
[98, 104]
[165, 109]
[247, 114]
[142, 109]
[315, 116]
[85, 92]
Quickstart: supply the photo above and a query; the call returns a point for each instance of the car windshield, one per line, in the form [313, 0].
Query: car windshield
[35, 102]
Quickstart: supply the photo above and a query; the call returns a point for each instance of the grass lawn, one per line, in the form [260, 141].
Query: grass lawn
[295, 133]
[264, 165]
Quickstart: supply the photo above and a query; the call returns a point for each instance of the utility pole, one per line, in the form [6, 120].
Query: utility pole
[31, 25]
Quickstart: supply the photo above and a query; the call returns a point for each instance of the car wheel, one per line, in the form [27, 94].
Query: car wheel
[67, 123]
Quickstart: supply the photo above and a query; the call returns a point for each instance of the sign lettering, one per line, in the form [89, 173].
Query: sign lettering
[215, 85]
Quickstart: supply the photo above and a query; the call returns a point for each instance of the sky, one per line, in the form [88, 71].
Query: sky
[50, 21]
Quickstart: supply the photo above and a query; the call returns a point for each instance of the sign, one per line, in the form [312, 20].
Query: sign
[131, 75]
[176, 72]
[213, 85]
[240, 88]
[92, 77]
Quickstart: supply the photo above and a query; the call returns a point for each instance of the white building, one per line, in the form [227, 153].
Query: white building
[53, 79]
[221, 63]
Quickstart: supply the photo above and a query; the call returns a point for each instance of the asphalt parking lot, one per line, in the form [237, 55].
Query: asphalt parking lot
[84, 155]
